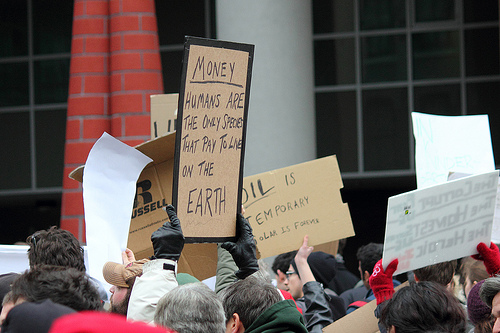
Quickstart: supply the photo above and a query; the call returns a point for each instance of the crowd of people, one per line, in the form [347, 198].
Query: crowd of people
[311, 290]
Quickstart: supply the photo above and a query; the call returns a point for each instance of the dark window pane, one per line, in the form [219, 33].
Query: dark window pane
[50, 130]
[484, 98]
[14, 85]
[441, 100]
[14, 28]
[51, 81]
[177, 19]
[481, 52]
[172, 66]
[434, 10]
[436, 55]
[382, 14]
[334, 62]
[333, 16]
[385, 129]
[383, 58]
[480, 11]
[52, 20]
[15, 140]
[336, 128]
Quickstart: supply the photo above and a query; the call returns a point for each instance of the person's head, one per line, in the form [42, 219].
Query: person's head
[122, 279]
[323, 267]
[34, 317]
[441, 273]
[423, 307]
[368, 255]
[479, 313]
[66, 286]
[471, 272]
[191, 308]
[55, 247]
[490, 295]
[7, 304]
[245, 300]
[280, 266]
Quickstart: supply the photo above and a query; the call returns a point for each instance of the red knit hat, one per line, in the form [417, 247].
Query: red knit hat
[101, 322]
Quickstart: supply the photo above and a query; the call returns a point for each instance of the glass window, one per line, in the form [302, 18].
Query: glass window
[383, 58]
[434, 10]
[484, 98]
[172, 68]
[50, 137]
[333, 16]
[442, 100]
[480, 11]
[382, 14]
[14, 28]
[52, 38]
[334, 62]
[15, 139]
[14, 85]
[436, 55]
[385, 129]
[479, 58]
[177, 19]
[51, 81]
[336, 123]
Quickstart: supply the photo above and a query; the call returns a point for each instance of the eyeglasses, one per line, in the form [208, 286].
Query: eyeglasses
[289, 273]
[33, 239]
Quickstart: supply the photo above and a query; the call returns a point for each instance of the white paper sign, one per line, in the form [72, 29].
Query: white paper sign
[109, 185]
[443, 144]
[440, 223]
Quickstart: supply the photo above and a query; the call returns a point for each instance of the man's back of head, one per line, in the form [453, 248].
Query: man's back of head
[55, 247]
[66, 286]
[441, 273]
[191, 308]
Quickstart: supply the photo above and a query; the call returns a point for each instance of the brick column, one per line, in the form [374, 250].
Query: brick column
[135, 68]
[88, 102]
[115, 67]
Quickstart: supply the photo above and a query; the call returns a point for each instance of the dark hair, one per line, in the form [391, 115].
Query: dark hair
[55, 247]
[66, 286]
[368, 255]
[424, 307]
[282, 261]
[441, 273]
[249, 298]
[473, 269]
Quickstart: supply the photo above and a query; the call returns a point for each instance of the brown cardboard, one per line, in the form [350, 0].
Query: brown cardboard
[154, 191]
[212, 113]
[362, 320]
[284, 205]
[163, 114]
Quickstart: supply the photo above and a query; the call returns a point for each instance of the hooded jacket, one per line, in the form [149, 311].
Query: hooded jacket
[281, 317]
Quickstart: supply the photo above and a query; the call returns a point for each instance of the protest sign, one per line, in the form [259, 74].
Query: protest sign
[163, 114]
[444, 144]
[284, 205]
[210, 143]
[440, 223]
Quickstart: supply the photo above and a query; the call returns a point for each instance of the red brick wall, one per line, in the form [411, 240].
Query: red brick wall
[115, 67]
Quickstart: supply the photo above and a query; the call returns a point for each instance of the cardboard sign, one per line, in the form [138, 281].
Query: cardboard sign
[440, 223]
[443, 144]
[163, 114]
[210, 144]
[361, 320]
[284, 205]
[154, 191]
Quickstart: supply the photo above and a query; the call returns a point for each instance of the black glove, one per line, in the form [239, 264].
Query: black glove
[168, 240]
[243, 251]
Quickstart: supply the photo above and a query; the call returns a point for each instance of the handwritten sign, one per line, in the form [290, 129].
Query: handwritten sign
[284, 205]
[210, 142]
[444, 144]
[440, 223]
[163, 114]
